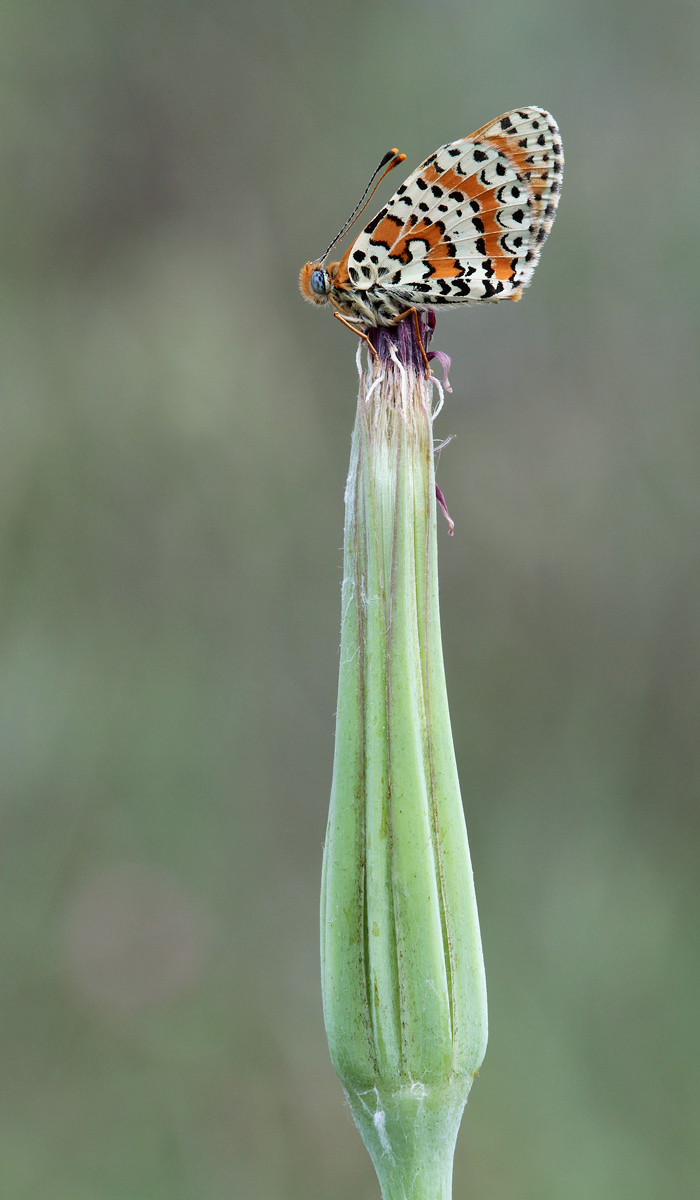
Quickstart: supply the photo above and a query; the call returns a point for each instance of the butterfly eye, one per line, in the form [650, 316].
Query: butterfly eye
[319, 282]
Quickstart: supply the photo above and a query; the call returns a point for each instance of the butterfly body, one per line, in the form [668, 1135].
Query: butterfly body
[466, 227]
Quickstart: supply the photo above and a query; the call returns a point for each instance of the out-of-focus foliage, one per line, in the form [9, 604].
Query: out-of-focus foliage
[175, 433]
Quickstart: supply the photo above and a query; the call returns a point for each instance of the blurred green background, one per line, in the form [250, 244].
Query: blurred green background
[175, 434]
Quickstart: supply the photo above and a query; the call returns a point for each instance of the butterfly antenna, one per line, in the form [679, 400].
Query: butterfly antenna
[392, 158]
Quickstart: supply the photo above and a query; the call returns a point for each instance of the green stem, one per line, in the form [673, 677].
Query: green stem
[402, 972]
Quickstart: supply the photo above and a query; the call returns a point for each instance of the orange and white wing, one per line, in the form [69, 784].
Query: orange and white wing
[469, 224]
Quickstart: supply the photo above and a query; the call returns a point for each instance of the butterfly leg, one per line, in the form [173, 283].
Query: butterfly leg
[359, 334]
[414, 312]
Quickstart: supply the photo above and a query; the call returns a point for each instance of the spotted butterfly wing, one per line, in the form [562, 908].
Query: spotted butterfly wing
[467, 226]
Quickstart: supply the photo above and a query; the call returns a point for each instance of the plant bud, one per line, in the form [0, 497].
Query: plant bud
[404, 993]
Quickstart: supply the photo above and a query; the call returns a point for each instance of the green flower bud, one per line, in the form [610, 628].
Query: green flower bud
[404, 994]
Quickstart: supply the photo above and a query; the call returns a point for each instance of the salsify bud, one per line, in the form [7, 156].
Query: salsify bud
[404, 994]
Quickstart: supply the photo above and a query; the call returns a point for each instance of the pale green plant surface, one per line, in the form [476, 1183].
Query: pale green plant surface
[402, 969]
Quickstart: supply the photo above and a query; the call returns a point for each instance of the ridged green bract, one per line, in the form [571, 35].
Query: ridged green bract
[402, 971]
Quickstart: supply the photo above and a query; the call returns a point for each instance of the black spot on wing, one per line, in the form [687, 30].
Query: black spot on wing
[375, 221]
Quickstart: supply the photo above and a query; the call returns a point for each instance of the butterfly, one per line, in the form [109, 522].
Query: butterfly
[467, 226]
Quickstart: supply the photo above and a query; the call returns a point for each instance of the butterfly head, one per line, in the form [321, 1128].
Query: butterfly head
[314, 283]
[315, 280]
